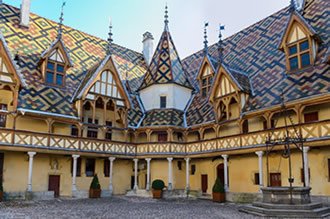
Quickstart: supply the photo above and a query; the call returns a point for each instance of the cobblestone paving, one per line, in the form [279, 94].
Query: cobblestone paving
[119, 207]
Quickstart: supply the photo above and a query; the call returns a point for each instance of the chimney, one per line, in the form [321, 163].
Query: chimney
[148, 46]
[25, 13]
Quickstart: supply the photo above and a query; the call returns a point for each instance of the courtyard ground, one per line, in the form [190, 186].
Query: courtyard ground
[119, 207]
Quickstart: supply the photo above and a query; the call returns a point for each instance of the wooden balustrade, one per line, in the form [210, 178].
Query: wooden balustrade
[8, 137]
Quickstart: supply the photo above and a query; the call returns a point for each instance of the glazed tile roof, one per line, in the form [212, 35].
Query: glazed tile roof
[255, 52]
[252, 57]
[85, 51]
[163, 117]
[240, 78]
[165, 66]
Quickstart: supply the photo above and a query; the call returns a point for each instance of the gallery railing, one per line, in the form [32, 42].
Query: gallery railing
[25, 139]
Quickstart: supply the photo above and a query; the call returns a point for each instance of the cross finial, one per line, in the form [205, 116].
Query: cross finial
[166, 17]
[205, 38]
[61, 21]
[220, 48]
[110, 40]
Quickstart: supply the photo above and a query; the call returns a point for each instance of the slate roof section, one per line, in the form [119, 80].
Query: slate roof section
[165, 66]
[164, 117]
[255, 52]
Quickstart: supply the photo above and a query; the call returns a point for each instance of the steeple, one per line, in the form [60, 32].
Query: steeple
[110, 40]
[205, 38]
[60, 24]
[166, 19]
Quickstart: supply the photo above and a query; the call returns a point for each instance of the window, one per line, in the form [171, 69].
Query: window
[193, 169]
[3, 117]
[245, 127]
[163, 102]
[92, 130]
[90, 167]
[55, 74]
[162, 137]
[179, 165]
[256, 179]
[108, 134]
[74, 130]
[106, 167]
[206, 81]
[78, 167]
[311, 117]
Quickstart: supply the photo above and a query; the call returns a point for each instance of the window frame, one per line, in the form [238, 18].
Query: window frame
[311, 114]
[3, 116]
[206, 88]
[299, 53]
[86, 163]
[162, 105]
[55, 73]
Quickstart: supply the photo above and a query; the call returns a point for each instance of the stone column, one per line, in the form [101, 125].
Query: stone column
[111, 159]
[225, 159]
[306, 165]
[136, 187]
[31, 155]
[187, 174]
[261, 183]
[148, 173]
[74, 171]
[170, 174]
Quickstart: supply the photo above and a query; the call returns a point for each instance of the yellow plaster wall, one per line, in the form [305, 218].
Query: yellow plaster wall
[31, 124]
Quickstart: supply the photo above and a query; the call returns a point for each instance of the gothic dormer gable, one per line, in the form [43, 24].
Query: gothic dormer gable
[206, 75]
[103, 80]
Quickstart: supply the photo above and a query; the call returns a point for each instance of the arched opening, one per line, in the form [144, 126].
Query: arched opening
[222, 112]
[234, 111]
[209, 133]
[193, 136]
[221, 173]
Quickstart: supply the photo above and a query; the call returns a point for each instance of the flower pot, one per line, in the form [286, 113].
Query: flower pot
[157, 193]
[94, 193]
[1, 196]
[219, 197]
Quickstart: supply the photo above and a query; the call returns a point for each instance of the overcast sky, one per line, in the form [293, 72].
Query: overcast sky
[131, 18]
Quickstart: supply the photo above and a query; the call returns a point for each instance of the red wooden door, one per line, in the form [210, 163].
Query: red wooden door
[275, 180]
[54, 184]
[204, 183]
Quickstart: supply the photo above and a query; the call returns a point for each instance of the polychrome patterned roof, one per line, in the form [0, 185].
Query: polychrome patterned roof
[165, 66]
[255, 52]
[163, 117]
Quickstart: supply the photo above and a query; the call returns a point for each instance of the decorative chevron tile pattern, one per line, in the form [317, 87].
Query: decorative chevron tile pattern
[85, 51]
[255, 51]
[163, 117]
[165, 65]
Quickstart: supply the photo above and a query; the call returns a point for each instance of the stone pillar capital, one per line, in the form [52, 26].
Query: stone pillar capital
[225, 156]
[170, 159]
[135, 160]
[187, 159]
[75, 156]
[31, 154]
[306, 149]
[112, 159]
[148, 159]
[259, 153]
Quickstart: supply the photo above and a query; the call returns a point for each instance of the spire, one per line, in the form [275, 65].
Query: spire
[110, 40]
[205, 38]
[220, 43]
[166, 18]
[60, 30]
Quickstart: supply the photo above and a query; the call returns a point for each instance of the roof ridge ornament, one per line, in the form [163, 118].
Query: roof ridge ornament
[297, 5]
[206, 24]
[220, 43]
[60, 25]
[166, 18]
[110, 40]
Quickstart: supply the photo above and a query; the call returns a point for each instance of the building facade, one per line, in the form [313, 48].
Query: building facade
[73, 105]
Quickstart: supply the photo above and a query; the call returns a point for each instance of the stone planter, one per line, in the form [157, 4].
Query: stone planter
[218, 197]
[94, 193]
[157, 194]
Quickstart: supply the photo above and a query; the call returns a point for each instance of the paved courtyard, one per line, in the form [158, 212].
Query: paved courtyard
[119, 207]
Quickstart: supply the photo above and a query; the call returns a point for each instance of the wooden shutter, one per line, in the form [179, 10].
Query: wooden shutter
[311, 117]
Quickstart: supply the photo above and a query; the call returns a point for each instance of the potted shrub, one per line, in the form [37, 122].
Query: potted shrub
[1, 191]
[95, 188]
[218, 191]
[157, 188]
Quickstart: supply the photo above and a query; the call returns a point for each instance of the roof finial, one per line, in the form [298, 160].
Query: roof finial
[166, 17]
[205, 38]
[292, 5]
[61, 21]
[220, 43]
[110, 40]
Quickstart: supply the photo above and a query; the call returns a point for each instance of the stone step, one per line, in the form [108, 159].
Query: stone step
[286, 206]
[289, 213]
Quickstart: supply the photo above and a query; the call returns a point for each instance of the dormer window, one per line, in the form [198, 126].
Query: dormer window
[163, 102]
[299, 52]
[206, 81]
[299, 43]
[55, 70]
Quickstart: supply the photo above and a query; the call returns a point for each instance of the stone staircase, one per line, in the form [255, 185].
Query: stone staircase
[312, 210]
[139, 193]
